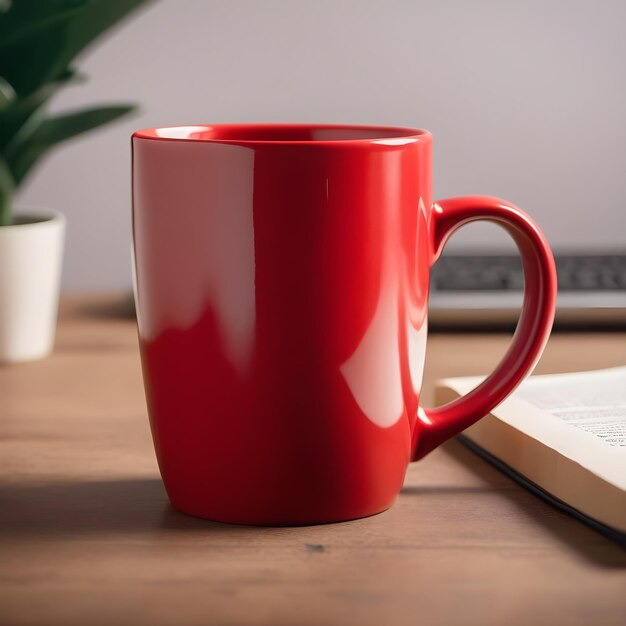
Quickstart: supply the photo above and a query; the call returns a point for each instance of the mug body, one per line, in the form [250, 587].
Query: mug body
[281, 288]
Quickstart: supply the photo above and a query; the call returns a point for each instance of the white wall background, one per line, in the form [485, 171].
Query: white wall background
[526, 100]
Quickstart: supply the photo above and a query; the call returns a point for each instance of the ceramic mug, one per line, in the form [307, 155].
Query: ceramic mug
[282, 276]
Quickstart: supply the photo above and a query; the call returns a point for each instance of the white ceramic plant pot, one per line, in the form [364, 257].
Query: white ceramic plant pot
[31, 254]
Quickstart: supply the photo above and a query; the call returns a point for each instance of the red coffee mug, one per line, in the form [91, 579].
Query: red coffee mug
[282, 276]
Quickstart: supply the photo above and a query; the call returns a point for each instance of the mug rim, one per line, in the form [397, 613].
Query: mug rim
[240, 134]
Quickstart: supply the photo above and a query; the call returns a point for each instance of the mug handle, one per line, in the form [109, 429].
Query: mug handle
[434, 426]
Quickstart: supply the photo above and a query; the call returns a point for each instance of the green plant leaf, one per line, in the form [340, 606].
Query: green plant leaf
[65, 126]
[54, 130]
[20, 16]
[39, 38]
[7, 187]
[7, 94]
[17, 118]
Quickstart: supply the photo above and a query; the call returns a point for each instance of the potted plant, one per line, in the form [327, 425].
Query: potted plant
[39, 40]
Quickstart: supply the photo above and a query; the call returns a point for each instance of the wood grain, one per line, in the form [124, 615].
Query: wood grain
[87, 534]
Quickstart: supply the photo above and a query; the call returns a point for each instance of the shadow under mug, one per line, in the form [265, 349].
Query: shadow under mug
[282, 277]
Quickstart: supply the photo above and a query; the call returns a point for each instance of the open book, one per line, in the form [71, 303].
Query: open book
[562, 433]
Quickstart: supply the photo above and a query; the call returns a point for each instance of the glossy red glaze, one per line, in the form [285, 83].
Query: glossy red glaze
[282, 284]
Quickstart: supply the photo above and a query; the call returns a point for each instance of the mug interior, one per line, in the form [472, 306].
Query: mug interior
[268, 133]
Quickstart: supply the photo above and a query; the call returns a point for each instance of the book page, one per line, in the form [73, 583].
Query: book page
[581, 415]
[594, 402]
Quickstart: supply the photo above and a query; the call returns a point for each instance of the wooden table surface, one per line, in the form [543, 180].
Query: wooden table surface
[87, 535]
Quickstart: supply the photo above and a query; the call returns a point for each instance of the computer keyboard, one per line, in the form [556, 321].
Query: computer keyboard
[495, 273]
[486, 289]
